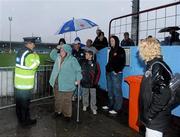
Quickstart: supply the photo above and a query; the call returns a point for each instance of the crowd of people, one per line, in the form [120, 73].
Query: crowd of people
[75, 67]
[173, 39]
[90, 70]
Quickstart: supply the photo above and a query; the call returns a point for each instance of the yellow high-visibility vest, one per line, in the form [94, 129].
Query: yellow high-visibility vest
[26, 64]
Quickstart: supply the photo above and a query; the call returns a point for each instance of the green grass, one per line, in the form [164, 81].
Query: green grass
[7, 59]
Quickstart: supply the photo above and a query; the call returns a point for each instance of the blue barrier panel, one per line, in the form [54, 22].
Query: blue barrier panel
[172, 56]
[102, 58]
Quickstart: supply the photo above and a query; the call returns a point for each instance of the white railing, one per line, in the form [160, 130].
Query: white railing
[41, 90]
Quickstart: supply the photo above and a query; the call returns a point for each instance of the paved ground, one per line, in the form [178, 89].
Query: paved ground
[101, 125]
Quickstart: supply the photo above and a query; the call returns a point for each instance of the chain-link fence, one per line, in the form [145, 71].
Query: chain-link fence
[149, 22]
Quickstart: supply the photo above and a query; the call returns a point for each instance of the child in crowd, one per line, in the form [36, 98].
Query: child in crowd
[91, 74]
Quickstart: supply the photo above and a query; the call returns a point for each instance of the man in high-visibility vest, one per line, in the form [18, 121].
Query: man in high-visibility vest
[27, 62]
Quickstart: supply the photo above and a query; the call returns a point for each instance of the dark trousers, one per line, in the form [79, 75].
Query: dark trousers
[22, 105]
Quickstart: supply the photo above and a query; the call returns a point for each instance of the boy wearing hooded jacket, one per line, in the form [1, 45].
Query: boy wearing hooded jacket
[91, 75]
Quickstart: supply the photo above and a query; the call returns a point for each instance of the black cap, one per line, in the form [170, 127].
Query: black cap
[29, 39]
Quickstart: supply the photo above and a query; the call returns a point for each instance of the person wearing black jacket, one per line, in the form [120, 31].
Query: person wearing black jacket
[114, 75]
[127, 41]
[154, 90]
[78, 52]
[174, 37]
[91, 74]
[100, 42]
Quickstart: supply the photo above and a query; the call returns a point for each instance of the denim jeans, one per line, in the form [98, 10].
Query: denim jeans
[114, 82]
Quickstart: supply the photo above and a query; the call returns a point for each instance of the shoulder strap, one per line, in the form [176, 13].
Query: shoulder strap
[158, 62]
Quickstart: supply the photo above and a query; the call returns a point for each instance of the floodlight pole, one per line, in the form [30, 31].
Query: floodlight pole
[135, 21]
[10, 20]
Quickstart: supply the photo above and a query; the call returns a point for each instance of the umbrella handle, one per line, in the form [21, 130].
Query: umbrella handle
[76, 33]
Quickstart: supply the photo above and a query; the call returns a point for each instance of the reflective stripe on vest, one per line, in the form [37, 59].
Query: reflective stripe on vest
[22, 57]
[21, 60]
[30, 67]
[24, 86]
[23, 67]
[23, 76]
[33, 65]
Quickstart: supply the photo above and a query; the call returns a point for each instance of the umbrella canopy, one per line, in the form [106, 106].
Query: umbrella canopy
[168, 29]
[76, 25]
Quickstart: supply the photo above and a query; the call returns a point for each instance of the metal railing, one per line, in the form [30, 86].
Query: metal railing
[41, 90]
[150, 22]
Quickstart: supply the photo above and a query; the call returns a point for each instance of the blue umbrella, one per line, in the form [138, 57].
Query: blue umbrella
[76, 25]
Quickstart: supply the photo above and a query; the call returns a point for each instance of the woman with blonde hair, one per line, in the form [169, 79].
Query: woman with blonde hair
[154, 91]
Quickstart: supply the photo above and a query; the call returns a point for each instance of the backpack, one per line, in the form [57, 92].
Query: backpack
[173, 84]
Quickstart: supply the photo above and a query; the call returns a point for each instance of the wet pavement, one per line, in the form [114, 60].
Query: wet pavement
[101, 125]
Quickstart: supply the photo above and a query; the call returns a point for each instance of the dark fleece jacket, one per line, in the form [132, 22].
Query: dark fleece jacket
[117, 57]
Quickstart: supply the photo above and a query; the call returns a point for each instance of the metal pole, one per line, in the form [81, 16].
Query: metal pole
[78, 91]
[10, 19]
[135, 21]
[70, 37]
[76, 33]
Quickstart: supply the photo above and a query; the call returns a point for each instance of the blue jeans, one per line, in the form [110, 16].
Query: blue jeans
[114, 82]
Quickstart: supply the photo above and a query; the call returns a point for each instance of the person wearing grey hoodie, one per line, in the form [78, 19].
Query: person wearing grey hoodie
[66, 74]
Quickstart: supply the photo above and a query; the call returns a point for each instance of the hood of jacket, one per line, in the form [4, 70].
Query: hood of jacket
[67, 48]
[116, 42]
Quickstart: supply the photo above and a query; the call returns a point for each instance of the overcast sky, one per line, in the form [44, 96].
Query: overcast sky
[44, 17]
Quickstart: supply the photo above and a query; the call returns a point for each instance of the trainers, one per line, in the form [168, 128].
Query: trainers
[94, 112]
[113, 112]
[105, 107]
[84, 108]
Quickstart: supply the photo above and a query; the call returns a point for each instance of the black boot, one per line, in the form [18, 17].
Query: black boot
[32, 121]
[67, 119]
[29, 122]
[56, 115]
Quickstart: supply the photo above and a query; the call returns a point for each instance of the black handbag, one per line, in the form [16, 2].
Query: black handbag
[173, 85]
[175, 81]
